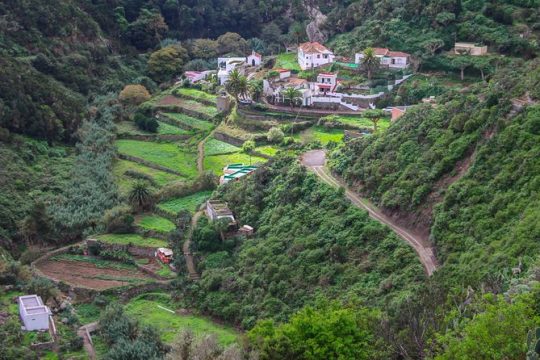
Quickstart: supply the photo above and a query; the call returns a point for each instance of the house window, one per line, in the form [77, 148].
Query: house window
[318, 56]
[325, 56]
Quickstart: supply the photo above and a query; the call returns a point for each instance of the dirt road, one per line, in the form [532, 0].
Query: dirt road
[315, 160]
[190, 264]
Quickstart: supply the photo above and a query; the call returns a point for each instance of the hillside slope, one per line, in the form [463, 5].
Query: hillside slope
[466, 171]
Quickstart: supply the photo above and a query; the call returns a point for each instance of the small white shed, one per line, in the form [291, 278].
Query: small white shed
[34, 314]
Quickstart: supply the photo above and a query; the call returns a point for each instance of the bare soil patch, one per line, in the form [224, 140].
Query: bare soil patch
[78, 273]
[170, 100]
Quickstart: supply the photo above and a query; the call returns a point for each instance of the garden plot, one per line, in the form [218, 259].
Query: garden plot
[157, 309]
[217, 147]
[170, 155]
[184, 120]
[189, 203]
[287, 61]
[133, 239]
[91, 272]
[216, 163]
[267, 150]
[155, 223]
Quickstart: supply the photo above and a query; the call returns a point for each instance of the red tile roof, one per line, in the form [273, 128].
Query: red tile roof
[313, 47]
[381, 51]
[398, 54]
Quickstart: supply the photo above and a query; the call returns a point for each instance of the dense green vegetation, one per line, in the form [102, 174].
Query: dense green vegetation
[134, 239]
[310, 241]
[189, 202]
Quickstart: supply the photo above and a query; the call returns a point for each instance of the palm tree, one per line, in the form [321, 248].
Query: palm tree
[237, 84]
[370, 61]
[255, 89]
[140, 196]
[292, 95]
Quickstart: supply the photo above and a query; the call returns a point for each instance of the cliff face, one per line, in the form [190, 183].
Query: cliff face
[318, 19]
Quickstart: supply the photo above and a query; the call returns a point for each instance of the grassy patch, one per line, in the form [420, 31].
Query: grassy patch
[267, 150]
[359, 122]
[216, 163]
[135, 239]
[156, 223]
[190, 121]
[97, 262]
[87, 313]
[319, 133]
[198, 94]
[147, 311]
[190, 202]
[287, 61]
[217, 147]
[170, 155]
[198, 107]
[166, 272]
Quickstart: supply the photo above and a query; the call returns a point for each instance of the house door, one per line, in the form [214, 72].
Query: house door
[252, 62]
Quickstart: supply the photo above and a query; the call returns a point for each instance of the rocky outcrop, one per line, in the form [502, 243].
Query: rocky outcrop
[314, 28]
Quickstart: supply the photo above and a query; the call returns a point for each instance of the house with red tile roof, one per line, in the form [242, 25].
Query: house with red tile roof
[314, 54]
[392, 59]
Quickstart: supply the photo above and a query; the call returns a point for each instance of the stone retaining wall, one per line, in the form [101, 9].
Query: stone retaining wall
[155, 137]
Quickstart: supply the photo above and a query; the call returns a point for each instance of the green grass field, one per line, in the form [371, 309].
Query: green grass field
[321, 134]
[170, 155]
[135, 239]
[190, 121]
[216, 163]
[287, 61]
[267, 150]
[198, 94]
[190, 202]
[146, 308]
[87, 313]
[129, 127]
[217, 147]
[156, 223]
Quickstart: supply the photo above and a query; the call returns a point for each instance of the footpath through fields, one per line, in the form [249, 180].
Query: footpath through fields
[315, 161]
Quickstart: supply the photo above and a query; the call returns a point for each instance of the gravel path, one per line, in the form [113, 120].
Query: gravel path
[315, 161]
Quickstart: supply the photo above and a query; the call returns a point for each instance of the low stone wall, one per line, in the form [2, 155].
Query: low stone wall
[149, 164]
[128, 294]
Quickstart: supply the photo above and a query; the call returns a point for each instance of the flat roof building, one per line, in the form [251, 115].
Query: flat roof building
[34, 314]
[217, 210]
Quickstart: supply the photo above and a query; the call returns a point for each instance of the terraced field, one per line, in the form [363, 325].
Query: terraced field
[134, 239]
[129, 127]
[184, 120]
[125, 182]
[170, 155]
[189, 203]
[321, 134]
[217, 147]
[155, 223]
[197, 94]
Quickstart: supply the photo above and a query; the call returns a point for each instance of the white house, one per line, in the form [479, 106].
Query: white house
[255, 59]
[217, 210]
[196, 76]
[34, 314]
[313, 54]
[284, 74]
[326, 82]
[392, 59]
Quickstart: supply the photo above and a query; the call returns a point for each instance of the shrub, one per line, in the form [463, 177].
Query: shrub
[134, 95]
[275, 135]
[146, 123]
[119, 220]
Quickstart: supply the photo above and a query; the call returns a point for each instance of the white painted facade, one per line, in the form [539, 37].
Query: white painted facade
[34, 314]
[312, 55]
[392, 59]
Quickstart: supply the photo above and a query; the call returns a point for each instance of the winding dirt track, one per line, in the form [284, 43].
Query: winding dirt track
[315, 161]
